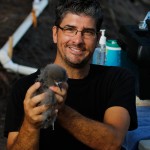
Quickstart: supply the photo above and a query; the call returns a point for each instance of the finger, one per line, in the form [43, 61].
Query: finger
[40, 109]
[59, 98]
[32, 89]
[37, 120]
[37, 99]
[59, 91]
[64, 85]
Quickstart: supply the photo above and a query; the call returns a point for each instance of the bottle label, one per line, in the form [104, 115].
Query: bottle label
[113, 53]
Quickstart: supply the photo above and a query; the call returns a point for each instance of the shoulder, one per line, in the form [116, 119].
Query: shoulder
[25, 82]
[112, 74]
[110, 70]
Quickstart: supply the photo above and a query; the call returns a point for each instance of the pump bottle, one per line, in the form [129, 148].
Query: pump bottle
[99, 55]
[102, 53]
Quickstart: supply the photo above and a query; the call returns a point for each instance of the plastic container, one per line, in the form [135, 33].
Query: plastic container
[113, 53]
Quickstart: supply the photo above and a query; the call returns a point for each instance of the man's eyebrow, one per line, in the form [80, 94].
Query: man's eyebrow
[88, 28]
[92, 29]
[70, 26]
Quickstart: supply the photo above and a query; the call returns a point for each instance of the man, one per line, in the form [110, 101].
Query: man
[96, 107]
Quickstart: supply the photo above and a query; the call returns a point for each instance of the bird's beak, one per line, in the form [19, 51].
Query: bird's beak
[58, 84]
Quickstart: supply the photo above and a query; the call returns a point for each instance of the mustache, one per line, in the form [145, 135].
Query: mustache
[77, 46]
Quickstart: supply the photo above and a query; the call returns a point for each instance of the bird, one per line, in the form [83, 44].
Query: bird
[51, 74]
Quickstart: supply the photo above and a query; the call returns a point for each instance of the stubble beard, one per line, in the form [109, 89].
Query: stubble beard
[79, 65]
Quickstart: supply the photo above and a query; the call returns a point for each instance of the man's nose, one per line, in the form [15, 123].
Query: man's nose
[79, 37]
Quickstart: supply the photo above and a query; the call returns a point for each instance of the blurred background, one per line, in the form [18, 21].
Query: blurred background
[36, 48]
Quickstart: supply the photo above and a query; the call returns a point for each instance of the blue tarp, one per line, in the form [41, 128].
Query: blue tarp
[142, 132]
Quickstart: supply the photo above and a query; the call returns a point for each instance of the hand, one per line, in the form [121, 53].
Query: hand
[60, 95]
[33, 112]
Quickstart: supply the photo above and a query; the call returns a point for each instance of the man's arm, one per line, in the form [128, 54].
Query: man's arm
[28, 135]
[26, 138]
[100, 136]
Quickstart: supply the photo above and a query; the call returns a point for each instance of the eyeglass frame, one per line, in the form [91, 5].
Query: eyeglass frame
[76, 31]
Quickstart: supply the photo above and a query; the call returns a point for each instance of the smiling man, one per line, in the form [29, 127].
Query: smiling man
[95, 107]
[76, 38]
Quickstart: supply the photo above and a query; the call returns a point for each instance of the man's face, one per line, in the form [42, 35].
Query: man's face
[75, 50]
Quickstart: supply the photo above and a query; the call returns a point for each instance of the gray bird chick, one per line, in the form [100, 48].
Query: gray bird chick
[52, 74]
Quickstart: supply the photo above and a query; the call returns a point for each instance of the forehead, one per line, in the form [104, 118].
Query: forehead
[80, 20]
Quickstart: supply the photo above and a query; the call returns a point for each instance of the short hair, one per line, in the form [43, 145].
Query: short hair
[90, 8]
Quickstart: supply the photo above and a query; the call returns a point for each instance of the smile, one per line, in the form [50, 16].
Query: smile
[76, 51]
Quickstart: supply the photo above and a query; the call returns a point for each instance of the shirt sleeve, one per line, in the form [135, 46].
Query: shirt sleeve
[14, 112]
[124, 94]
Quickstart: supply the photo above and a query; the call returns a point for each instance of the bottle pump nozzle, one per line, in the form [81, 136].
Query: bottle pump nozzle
[103, 37]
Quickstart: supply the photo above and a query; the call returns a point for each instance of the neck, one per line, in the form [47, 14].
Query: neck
[78, 73]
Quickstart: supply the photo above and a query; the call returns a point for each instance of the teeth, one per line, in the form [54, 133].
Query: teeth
[75, 49]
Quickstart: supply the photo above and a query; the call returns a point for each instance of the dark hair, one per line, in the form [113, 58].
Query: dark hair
[88, 7]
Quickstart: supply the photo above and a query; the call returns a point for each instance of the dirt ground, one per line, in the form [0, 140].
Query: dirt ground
[36, 48]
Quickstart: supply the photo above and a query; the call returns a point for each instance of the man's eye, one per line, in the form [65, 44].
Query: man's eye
[89, 32]
[69, 29]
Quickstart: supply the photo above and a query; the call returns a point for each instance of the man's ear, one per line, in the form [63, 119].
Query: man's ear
[54, 30]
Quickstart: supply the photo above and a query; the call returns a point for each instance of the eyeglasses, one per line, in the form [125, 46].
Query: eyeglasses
[72, 31]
